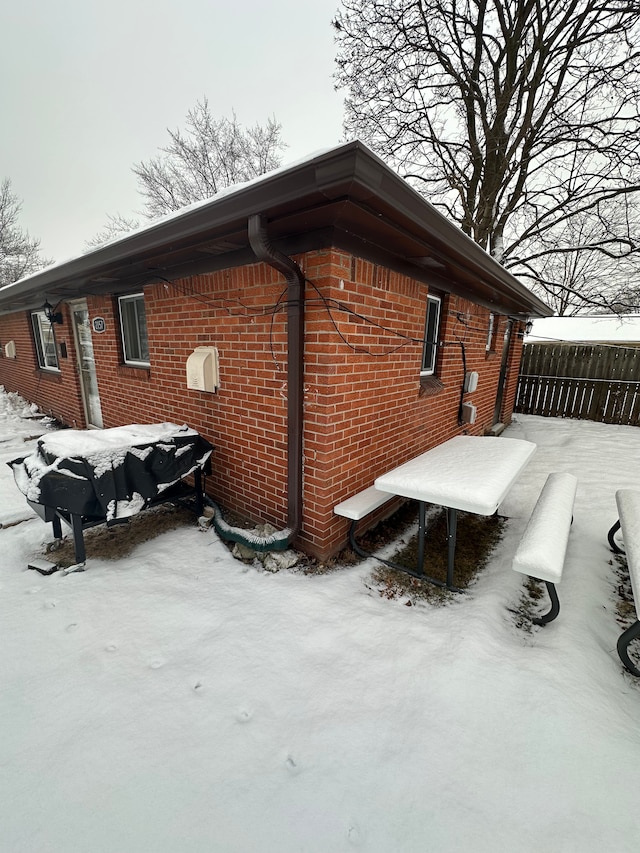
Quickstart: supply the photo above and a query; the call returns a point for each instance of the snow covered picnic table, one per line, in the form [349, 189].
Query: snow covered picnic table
[89, 477]
[469, 473]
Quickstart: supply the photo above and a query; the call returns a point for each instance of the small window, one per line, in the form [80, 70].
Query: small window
[133, 324]
[45, 339]
[431, 332]
[491, 334]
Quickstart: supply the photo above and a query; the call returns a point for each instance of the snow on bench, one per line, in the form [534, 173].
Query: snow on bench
[543, 545]
[359, 506]
[628, 501]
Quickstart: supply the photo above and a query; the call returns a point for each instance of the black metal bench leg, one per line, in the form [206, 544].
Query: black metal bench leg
[632, 633]
[452, 532]
[555, 606]
[612, 532]
[354, 544]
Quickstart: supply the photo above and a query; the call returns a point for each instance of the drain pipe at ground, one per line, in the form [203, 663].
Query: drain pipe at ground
[278, 541]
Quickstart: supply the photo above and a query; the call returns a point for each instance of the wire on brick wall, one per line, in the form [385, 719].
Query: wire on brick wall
[281, 303]
[331, 304]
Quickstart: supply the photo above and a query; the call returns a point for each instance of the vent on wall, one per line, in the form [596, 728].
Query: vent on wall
[10, 349]
[202, 369]
[469, 413]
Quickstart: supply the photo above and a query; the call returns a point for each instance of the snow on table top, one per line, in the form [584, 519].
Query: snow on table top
[470, 473]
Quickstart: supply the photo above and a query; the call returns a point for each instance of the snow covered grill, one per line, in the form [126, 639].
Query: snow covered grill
[89, 477]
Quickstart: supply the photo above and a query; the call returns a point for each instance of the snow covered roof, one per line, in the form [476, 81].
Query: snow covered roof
[345, 197]
[610, 328]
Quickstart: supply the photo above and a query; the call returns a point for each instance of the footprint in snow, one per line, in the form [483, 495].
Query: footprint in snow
[72, 627]
[292, 766]
[49, 605]
[243, 716]
[354, 836]
[156, 663]
[111, 648]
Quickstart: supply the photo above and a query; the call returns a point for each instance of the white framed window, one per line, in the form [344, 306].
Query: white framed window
[45, 341]
[431, 336]
[133, 327]
[491, 334]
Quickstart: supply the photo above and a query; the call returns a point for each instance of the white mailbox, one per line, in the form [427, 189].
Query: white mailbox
[202, 369]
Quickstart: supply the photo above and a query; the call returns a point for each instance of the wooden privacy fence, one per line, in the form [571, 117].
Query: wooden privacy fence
[586, 381]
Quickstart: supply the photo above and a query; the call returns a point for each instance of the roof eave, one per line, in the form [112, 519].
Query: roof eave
[350, 172]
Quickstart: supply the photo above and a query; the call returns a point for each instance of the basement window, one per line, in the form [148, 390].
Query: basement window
[133, 326]
[45, 341]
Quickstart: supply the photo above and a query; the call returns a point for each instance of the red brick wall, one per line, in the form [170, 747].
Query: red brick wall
[55, 392]
[246, 419]
[365, 410]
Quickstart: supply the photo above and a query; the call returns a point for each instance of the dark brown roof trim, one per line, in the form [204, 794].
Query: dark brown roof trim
[345, 197]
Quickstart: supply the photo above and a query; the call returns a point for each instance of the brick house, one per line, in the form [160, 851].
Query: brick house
[345, 312]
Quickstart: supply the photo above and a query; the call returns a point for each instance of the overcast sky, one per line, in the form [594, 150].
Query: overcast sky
[90, 86]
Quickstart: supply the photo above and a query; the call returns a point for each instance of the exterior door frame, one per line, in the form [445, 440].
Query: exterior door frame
[504, 370]
[93, 417]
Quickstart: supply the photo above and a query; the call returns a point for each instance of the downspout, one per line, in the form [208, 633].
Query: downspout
[294, 276]
[264, 251]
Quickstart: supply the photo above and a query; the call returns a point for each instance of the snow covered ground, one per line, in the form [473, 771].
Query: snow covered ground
[177, 702]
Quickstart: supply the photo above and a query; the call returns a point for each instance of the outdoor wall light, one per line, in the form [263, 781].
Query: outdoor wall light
[526, 330]
[51, 315]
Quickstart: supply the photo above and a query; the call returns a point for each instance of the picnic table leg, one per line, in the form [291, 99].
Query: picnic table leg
[610, 536]
[555, 606]
[421, 535]
[632, 633]
[452, 528]
[419, 571]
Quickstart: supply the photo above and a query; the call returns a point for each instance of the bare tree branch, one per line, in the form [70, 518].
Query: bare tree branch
[210, 154]
[519, 118]
[19, 252]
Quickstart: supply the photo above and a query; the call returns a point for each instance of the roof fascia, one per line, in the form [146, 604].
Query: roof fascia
[350, 171]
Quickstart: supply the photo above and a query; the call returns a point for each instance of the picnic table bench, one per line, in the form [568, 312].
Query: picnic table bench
[543, 547]
[628, 503]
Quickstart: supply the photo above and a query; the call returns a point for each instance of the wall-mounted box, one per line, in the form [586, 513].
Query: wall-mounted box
[203, 372]
[470, 382]
[469, 413]
[10, 349]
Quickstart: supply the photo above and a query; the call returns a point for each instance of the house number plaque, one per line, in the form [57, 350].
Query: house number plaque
[99, 324]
